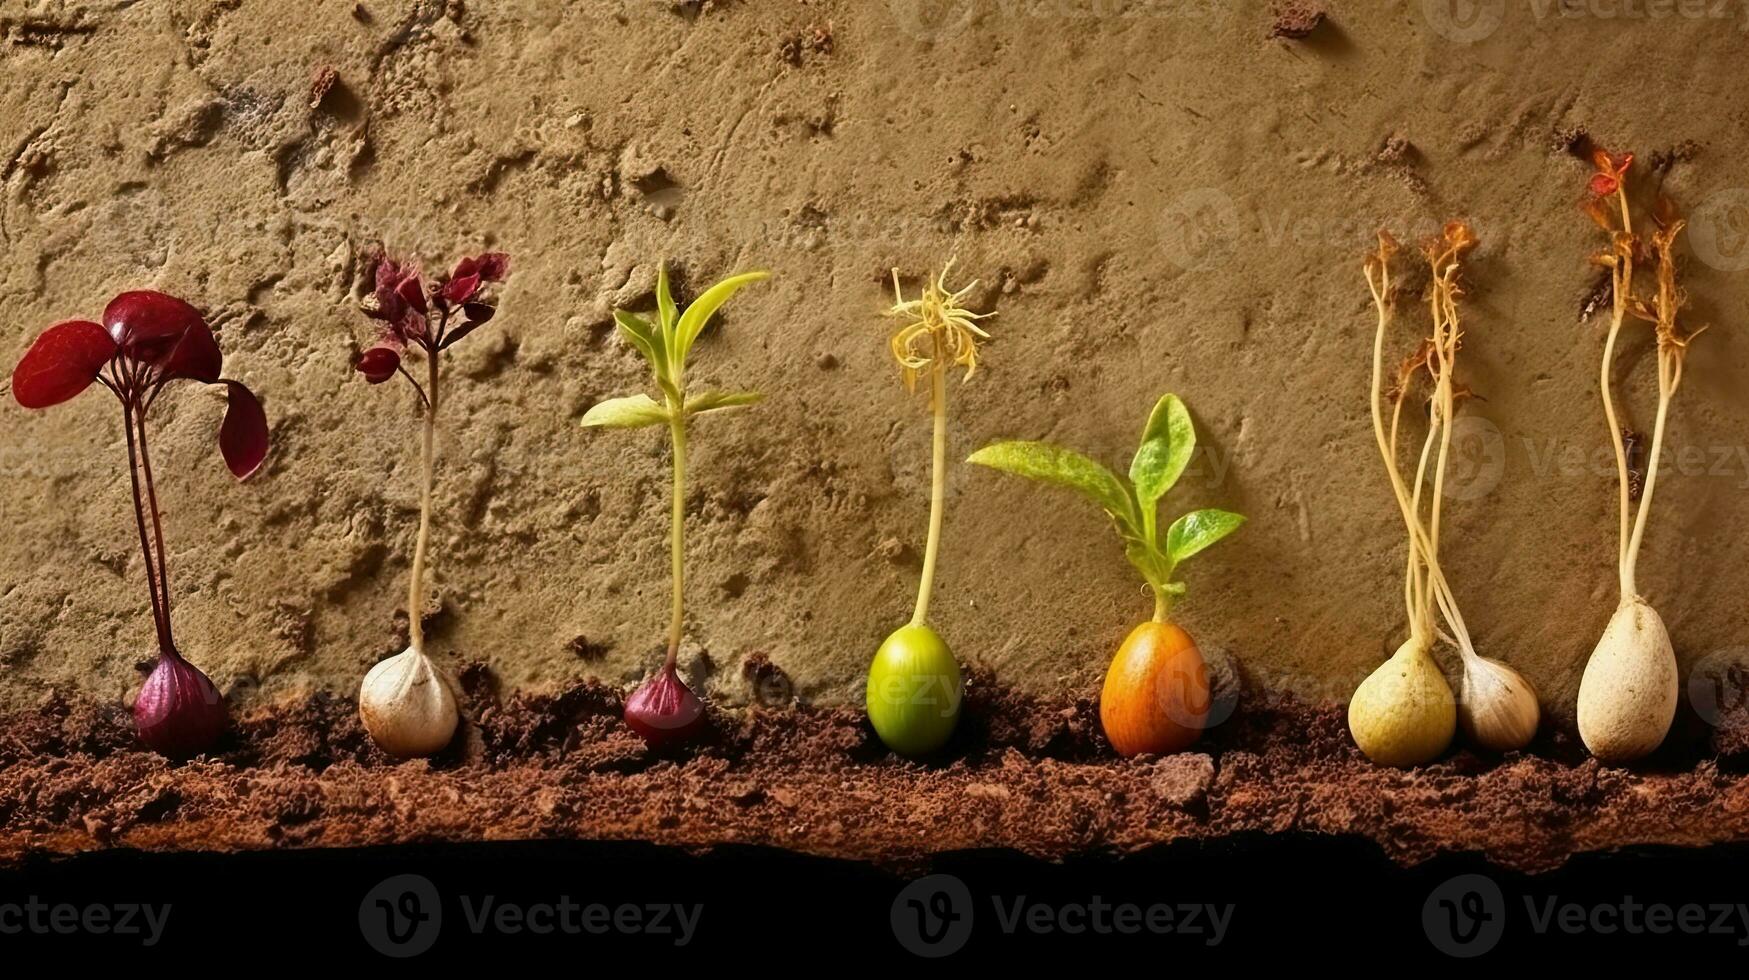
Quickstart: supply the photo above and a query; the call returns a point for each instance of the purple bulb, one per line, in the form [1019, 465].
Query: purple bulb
[179, 712]
[664, 710]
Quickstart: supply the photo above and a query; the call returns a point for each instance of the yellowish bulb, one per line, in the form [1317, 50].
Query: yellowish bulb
[1404, 714]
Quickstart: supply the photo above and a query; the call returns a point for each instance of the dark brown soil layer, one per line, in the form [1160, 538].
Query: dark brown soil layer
[1024, 774]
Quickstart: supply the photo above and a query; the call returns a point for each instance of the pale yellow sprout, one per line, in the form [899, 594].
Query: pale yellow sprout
[938, 331]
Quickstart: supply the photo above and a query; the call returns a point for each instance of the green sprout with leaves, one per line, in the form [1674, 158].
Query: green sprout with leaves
[664, 709]
[1168, 442]
[1156, 696]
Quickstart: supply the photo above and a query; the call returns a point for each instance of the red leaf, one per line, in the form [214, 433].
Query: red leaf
[493, 266]
[461, 288]
[412, 292]
[62, 362]
[243, 436]
[489, 266]
[389, 275]
[458, 333]
[476, 313]
[379, 364]
[412, 327]
[195, 355]
[1603, 185]
[149, 325]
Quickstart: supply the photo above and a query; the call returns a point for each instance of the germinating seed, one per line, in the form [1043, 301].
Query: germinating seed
[1156, 698]
[914, 684]
[1404, 713]
[1628, 694]
[406, 702]
[148, 340]
[664, 709]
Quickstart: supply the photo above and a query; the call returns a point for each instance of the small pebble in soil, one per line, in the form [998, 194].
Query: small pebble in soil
[1297, 19]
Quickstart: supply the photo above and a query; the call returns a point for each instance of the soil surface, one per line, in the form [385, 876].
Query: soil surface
[1029, 775]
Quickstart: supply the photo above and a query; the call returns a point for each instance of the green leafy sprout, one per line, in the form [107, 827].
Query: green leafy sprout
[665, 344]
[1168, 442]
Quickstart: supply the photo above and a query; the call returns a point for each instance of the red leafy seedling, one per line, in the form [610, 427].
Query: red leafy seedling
[405, 701]
[147, 341]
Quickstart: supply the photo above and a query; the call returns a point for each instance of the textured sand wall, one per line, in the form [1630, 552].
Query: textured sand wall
[1157, 196]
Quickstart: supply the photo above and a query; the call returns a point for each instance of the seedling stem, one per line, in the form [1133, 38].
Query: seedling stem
[938, 482]
[676, 534]
[415, 587]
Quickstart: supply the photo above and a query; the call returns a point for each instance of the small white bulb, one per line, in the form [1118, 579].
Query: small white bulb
[1498, 708]
[407, 706]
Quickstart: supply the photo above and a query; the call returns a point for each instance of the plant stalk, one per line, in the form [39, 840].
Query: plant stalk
[1381, 289]
[415, 587]
[676, 534]
[1668, 378]
[160, 610]
[157, 522]
[938, 483]
[1622, 285]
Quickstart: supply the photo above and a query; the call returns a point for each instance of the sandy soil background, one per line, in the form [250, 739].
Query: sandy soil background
[1158, 196]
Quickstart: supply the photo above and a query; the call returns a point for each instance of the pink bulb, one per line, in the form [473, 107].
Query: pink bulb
[179, 712]
[664, 710]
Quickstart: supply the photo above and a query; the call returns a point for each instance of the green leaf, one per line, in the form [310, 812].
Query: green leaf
[716, 401]
[1064, 467]
[1193, 532]
[645, 337]
[1167, 444]
[630, 412]
[665, 304]
[702, 309]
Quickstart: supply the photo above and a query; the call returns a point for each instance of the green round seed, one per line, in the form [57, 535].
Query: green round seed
[914, 689]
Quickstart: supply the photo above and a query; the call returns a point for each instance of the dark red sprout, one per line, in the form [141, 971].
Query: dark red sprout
[147, 341]
[405, 305]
